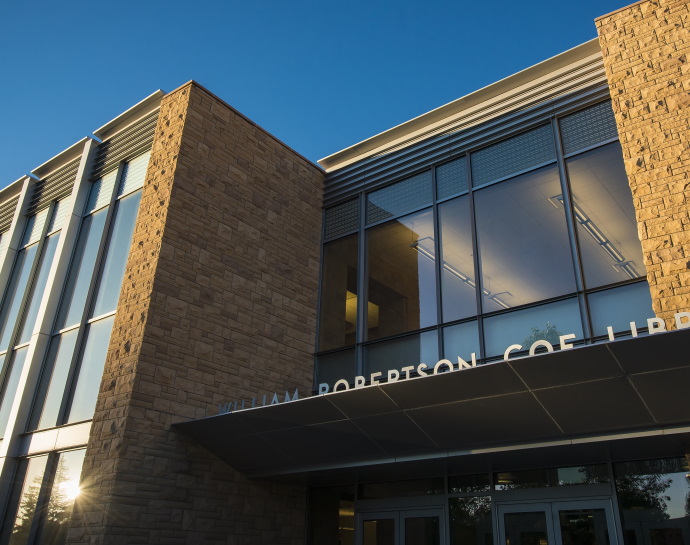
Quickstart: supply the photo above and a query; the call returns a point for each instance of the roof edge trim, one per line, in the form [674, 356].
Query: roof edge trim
[54, 163]
[126, 118]
[378, 142]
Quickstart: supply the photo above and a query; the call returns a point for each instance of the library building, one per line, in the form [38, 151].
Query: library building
[470, 329]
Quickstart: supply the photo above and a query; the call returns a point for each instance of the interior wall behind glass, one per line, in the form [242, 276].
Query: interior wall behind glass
[339, 297]
[523, 241]
[402, 279]
[605, 217]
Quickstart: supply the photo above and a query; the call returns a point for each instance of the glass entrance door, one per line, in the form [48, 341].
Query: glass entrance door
[557, 523]
[402, 527]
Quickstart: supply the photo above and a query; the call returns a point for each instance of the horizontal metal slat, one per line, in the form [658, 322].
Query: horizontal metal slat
[55, 187]
[377, 172]
[7, 213]
[130, 143]
[476, 130]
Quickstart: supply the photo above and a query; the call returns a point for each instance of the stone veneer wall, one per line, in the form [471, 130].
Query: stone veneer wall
[646, 50]
[218, 303]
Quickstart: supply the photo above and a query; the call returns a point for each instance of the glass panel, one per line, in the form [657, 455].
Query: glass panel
[332, 516]
[398, 198]
[27, 501]
[76, 290]
[461, 340]
[10, 388]
[38, 289]
[605, 217]
[458, 283]
[470, 521]
[4, 242]
[15, 293]
[523, 241]
[379, 532]
[620, 306]
[63, 493]
[60, 212]
[545, 322]
[469, 484]
[333, 367]
[557, 476]
[116, 258]
[588, 127]
[401, 489]
[514, 155]
[133, 174]
[54, 380]
[91, 371]
[422, 531]
[338, 312]
[101, 192]
[34, 227]
[402, 280]
[403, 352]
[583, 527]
[525, 528]
[655, 498]
[451, 178]
[341, 219]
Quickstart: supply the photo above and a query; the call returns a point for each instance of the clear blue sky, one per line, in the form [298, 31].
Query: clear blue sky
[319, 75]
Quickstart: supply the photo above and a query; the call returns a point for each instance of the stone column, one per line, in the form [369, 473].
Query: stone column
[218, 303]
[646, 50]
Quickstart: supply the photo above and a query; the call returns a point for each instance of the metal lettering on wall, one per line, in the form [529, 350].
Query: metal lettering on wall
[654, 325]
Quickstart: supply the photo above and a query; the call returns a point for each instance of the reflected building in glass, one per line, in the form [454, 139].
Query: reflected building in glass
[470, 329]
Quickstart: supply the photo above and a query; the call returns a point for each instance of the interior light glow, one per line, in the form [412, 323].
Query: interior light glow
[627, 267]
[455, 272]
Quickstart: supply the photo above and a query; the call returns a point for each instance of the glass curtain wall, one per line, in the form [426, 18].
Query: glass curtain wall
[46, 486]
[44, 493]
[526, 239]
[72, 371]
[23, 297]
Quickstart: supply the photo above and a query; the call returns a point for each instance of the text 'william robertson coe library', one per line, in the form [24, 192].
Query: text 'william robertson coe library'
[471, 329]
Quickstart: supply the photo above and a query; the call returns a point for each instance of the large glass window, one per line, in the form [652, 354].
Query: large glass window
[91, 370]
[23, 299]
[63, 493]
[15, 292]
[524, 327]
[28, 488]
[338, 324]
[655, 500]
[72, 371]
[81, 272]
[514, 249]
[402, 279]
[458, 283]
[9, 390]
[116, 257]
[523, 241]
[42, 500]
[470, 521]
[605, 217]
[617, 307]
[410, 350]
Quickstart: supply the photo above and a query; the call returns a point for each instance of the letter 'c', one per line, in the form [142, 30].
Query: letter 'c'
[512, 347]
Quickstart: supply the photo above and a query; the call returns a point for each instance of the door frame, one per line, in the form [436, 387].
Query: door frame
[552, 507]
[399, 514]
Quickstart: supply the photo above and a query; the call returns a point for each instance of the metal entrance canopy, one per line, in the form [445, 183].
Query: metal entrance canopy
[566, 397]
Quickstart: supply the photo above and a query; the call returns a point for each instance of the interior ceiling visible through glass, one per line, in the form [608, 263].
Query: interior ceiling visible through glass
[523, 241]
